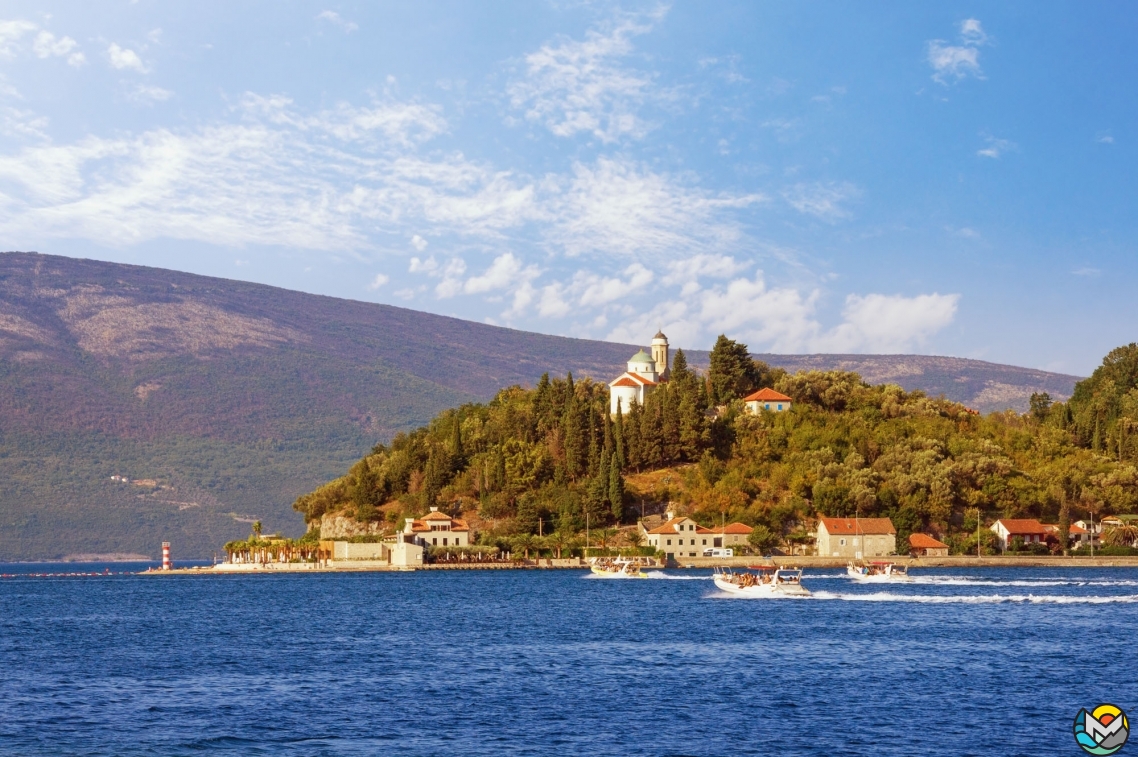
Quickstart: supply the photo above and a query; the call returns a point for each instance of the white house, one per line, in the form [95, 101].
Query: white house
[683, 537]
[766, 399]
[645, 372]
[855, 538]
[1028, 529]
[437, 529]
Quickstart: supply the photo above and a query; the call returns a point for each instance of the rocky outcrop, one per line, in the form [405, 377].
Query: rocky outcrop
[336, 526]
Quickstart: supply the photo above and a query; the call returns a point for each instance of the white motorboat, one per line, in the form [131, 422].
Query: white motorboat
[768, 582]
[878, 572]
[620, 567]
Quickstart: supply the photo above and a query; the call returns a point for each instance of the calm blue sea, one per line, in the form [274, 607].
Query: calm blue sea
[976, 662]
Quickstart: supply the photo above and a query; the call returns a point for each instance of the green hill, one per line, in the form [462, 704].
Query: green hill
[234, 398]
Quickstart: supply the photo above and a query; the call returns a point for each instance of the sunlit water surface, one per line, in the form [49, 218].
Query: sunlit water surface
[959, 662]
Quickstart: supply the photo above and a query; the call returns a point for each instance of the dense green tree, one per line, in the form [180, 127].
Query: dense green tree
[732, 373]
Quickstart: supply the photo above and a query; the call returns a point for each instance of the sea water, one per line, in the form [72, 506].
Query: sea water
[959, 662]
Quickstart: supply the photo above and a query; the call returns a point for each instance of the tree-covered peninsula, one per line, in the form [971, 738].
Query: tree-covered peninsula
[552, 460]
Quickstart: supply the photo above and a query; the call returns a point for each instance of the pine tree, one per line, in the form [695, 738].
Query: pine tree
[651, 433]
[670, 425]
[597, 495]
[543, 405]
[680, 373]
[594, 451]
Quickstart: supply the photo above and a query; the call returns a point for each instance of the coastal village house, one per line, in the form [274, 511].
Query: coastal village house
[645, 372]
[1028, 529]
[923, 545]
[855, 537]
[437, 529]
[683, 537]
[766, 399]
[1077, 536]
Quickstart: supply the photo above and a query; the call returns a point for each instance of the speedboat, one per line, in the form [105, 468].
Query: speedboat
[603, 567]
[878, 572]
[768, 582]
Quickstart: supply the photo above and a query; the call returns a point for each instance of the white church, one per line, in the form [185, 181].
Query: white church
[645, 372]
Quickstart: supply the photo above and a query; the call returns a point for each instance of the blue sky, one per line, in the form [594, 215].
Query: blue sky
[942, 178]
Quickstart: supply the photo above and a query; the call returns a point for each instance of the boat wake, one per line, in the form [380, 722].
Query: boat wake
[977, 599]
[666, 577]
[968, 581]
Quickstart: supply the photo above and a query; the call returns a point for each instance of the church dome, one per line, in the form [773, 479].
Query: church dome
[641, 357]
[660, 335]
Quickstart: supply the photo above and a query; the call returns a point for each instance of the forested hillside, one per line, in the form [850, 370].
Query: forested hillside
[553, 454]
[227, 399]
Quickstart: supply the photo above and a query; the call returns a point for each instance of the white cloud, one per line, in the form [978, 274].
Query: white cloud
[11, 32]
[46, 45]
[1105, 139]
[506, 272]
[972, 32]
[956, 62]
[889, 323]
[333, 17]
[690, 270]
[823, 200]
[418, 243]
[452, 278]
[995, 147]
[404, 123]
[1087, 272]
[428, 266]
[615, 207]
[148, 93]
[123, 58]
[953, 62]
[379, 280]
[594, 290]
[577, 86]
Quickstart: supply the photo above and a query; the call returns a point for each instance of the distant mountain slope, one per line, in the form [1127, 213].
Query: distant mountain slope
[233, 398]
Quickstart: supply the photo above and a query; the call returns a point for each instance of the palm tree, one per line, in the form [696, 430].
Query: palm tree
[604, 536]
[634, 537]
[557, 541]
[1121, 536]
[257, 529]
[524, 543]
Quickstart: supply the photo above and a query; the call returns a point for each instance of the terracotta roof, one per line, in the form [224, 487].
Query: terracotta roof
[924, 541]
[767, 395]
[632, 379]
[436, 516]
[732, 528]
[669, 527]
[863, 525]
[456, 524]
[1017, 526]
[1071, 529]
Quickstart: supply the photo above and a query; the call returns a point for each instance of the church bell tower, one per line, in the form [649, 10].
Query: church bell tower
[660, 354]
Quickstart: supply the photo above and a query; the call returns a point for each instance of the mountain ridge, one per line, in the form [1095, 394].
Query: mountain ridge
[237, 396]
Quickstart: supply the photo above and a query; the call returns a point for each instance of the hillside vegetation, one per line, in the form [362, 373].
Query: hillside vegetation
[552, 454]
[238, 397]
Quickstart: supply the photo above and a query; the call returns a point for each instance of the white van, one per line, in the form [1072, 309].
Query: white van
[716, 552]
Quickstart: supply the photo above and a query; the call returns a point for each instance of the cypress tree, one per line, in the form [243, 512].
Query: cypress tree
[458, 457]
[594, 451]
[670, 425]
[543, 404]
[632, 449]
[618, 439]
[616, 492]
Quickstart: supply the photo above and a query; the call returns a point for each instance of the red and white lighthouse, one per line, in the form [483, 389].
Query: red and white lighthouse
[166, 555]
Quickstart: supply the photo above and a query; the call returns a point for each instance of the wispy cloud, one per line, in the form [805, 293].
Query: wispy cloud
[995, 147]
[955, 62]
[1087, 272]
[575, 86]
[823, 200]
[379, 281]
[148, 94]
[47, 45]
[618, 207]
[335, 19]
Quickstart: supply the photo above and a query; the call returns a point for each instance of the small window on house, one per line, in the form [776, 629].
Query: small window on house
[842, 542]
[705, 542]
[444, 541]
[767, 406]
[435, 541]
[780, 407]
[669, 542]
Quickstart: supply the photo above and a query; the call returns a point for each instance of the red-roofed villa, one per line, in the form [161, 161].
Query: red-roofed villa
[923, 545]
[1028, 529]
[766, 399]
